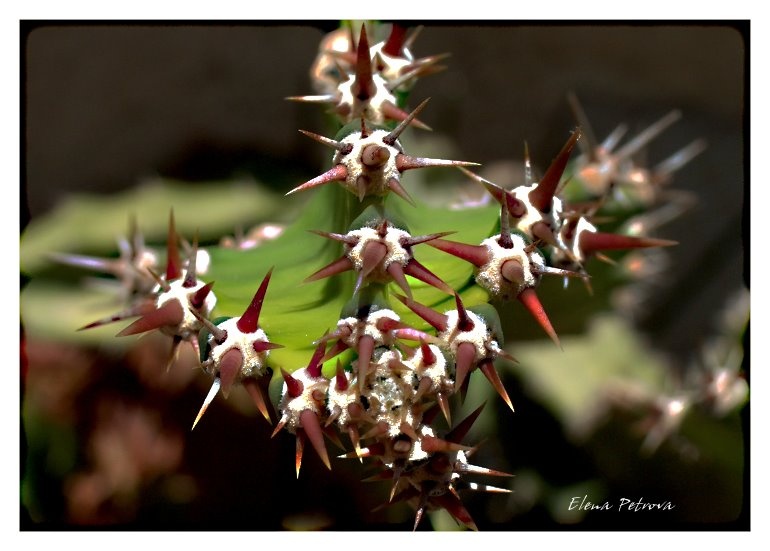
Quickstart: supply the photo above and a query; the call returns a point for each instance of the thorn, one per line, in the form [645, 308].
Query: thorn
[262, 346]
[348, 240]
[168, 315]
[341, 379]
[362, 187]
[324, 98]
[363, 86]
[395, 186]
[373, 254]
[396, 271]
[394, 134]
[159, 280]
[591, 242]
[229, 369]
[431, 444]
[379, 429]
[173, 262]
[504, 240]
[258, 396]
[343, 148]
[477, 255]
[423, 387]
[487, 367]
[337, 173]
[589, 145]
[461, 430]
[529, 299]
[314, 366]
[419, 271]
[137, 310]
[395, 43]
[190, 279]
[209, 397]
[342, 264]
[294, 387]
[454, 507]
[528, 177]
[443, 403]
[312, 427]
[338, 348]
[176, 340]
[300, 447]
[648, 134]
[439, 321]
[465, 356]
[541, 231]
[542, 196]
[365, 351]
[390, 111]
[280, 425]
[428, 356]
[356, 441]
[249, 321]
[464, 321]
[198, 298]
[406, 162]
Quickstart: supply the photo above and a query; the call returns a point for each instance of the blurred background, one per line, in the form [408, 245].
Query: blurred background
[111, 111]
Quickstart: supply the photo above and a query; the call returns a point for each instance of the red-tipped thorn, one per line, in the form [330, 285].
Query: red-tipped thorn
[454, 507]
[443, 404]
[487, 367]
[395, 186]
[477, 255]
[464, 321]
[529, 299]
[312, 427]
[390, 111]
[262, 346]
[229, 368]
[343, 148]
[591, 242]
[338, 173]
[395, 43]
[198, 298]
[396, 271]
[138, 310]
[391, 138]
[294, 387]
[431, 444]
[249, 321]
[342, 264]
[190, 278]
[418, 271]
[338, 348]
[373, 254]
[170, 314]
[461, 430]
[466, 355]
[405, 162]
[173, 262]
[341, 380]
[542, 196]
[365, 351]
[258, 396]
[428, 356]
[437, 320]
[363, 86]
[314, 366]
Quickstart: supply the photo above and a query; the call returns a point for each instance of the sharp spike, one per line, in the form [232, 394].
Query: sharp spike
[198, 298]
[504, 239]
[262, 346]
[342, 238]
[666, 168]
[173, 353]
[423, 387]
[542, 196]
[443, 404]
[338, 173]
[88, 262]
[170, 314]
[362, 187]
[229, 369]
[373, 253]
[529, 178]
[190, 278]
[356, 441]
[294, 387]
[396, 271]
[249, 321]
[412, 241]
[312, 427]
[464, 321]
[529, 299]
[589, 145]
[418, 271]
[461, 430]
[428, 356]
[591, 242]
[258, 396]
[487, 367]
[144, 307]
[395, 186]
[396, 477]
[280, 425]
[473, 469]
[406, 162]
[541, 231]
[647, 135]
[333, 416]
[300, 448]
[363, 86]
[475, 254]
[343, 148]
[418, 516]
[338, 348]
[342, 264]
[379, 429]
[394, 134]
[439, 321]
[159, 280]
[341, 380]
[365, 351]
[466, 355]
[314, 366]
[454, 507]
[431, 444]
[324, 98]
[209, 397]
[173, 262]
[395, 43]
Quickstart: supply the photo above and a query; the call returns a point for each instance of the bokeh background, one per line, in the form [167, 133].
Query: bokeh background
[108, 108]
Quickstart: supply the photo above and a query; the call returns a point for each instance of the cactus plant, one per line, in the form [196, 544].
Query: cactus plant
[376, 346]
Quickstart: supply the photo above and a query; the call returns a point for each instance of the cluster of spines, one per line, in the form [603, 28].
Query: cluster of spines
[387, 397]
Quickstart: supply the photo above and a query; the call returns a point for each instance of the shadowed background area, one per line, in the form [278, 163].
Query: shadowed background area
[108, 105]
